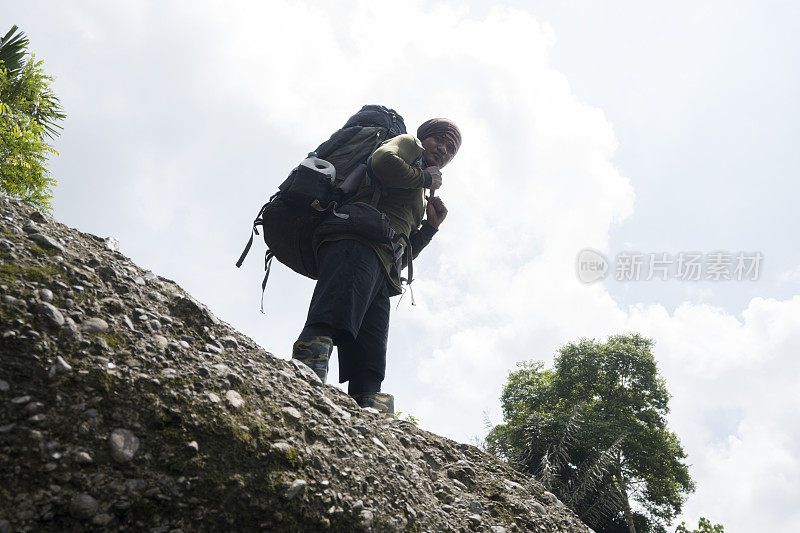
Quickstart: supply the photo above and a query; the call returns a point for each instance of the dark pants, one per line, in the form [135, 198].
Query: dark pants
[351, 305]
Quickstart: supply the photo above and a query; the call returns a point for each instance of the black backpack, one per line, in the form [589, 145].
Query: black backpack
[308, 196]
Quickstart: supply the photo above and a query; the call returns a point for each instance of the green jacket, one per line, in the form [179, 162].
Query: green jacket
[395, 164]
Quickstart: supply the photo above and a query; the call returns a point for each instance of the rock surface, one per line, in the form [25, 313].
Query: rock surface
[126, 405]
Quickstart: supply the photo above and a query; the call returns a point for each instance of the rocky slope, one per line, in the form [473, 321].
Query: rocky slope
[126, 405]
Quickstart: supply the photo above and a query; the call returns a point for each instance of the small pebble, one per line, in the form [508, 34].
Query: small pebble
[46, 295]
[52, 315]
[94, 325]
[124, 445]
[33, 407]
[291, 413]
[299, 485]
[83, 458]
[234, 398]
[102, 519]
[83, 506]
[61, 365]
[111, 243]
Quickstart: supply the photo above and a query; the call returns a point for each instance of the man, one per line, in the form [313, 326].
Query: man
[350, 304]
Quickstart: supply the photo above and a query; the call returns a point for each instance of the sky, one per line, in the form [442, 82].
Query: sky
[631, 128]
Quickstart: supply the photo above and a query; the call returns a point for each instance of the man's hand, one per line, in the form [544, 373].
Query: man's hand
[436, 177]
[436, 211]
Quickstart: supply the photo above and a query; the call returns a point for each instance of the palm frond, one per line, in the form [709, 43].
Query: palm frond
[48, 113]
[592, 475]
[487, 423]
[549, 467]
[569, 435]
[547, 472]
[604, 505]
[12, 50]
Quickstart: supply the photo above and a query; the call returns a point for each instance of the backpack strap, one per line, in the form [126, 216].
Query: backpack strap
[376, 195]
[268, 256]
[409, 259]
[267, 267]
[377, 191]
[246, 248]
[256, 223]
[350, 184]
[377, 188]
[408, 252]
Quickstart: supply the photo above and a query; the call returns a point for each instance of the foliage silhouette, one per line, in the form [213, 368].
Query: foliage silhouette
[29, 115]
[593, 430]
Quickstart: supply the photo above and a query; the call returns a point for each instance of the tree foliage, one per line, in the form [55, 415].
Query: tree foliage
[704, 526]
[29, 116]
[593, 429]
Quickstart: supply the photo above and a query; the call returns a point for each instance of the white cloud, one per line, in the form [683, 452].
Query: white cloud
[790, 276]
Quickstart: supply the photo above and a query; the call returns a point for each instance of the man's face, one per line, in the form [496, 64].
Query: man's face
[438, 151]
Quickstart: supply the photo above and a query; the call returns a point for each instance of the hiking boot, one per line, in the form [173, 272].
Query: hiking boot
[314, 352]
[382, 402]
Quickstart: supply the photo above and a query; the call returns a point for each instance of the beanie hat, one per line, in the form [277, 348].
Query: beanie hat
[440, 126]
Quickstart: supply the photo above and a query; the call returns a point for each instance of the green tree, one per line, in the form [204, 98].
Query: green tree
[704, 526]
[593, 429]
[29, 116]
